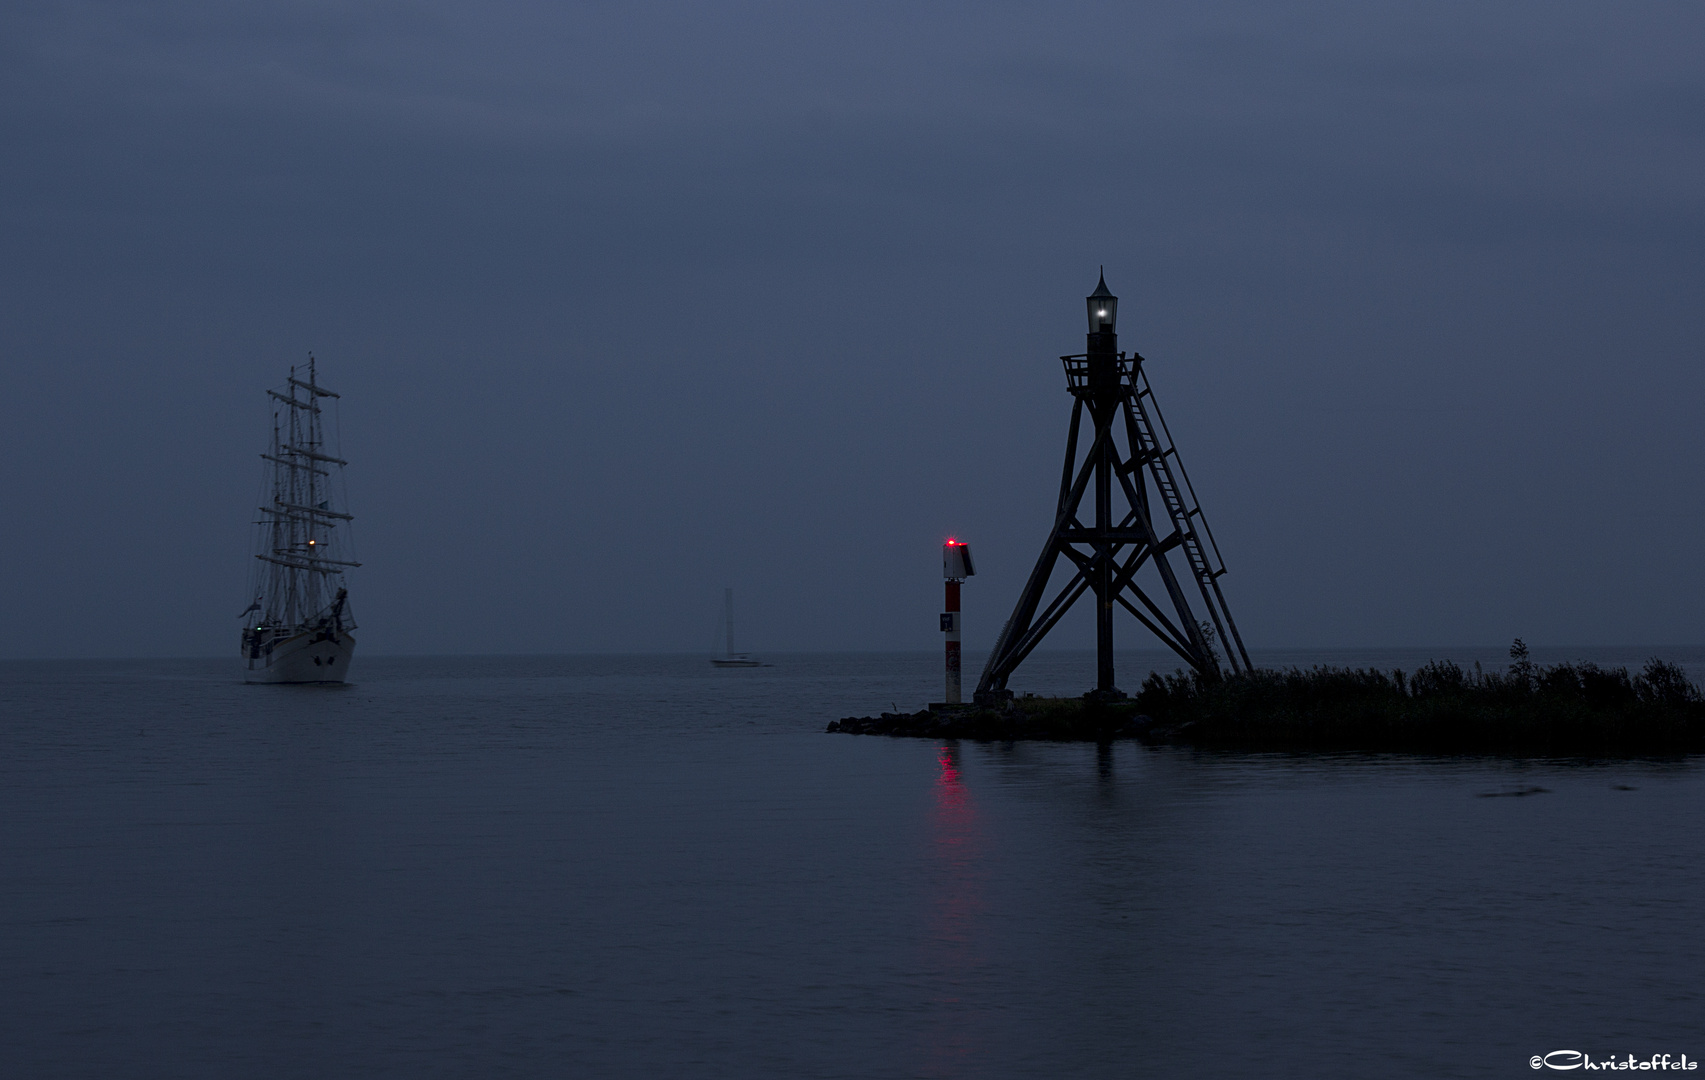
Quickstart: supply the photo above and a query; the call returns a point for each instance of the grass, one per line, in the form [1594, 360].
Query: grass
[1441, 708]
[1562, 710]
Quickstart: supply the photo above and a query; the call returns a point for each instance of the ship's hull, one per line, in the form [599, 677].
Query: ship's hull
[312, 656]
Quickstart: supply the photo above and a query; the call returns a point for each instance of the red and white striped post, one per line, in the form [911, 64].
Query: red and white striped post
[955, 567]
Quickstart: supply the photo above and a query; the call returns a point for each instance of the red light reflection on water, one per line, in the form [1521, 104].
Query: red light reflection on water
[950, 791]
[954, 952]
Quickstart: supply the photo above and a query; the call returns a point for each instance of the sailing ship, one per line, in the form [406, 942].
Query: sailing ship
[731, 658]
[298, 630]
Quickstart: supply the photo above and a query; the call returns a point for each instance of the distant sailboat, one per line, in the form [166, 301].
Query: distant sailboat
[298, 628]
[731, 658]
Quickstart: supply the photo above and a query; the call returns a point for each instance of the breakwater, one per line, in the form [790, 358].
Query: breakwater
[1440, 708]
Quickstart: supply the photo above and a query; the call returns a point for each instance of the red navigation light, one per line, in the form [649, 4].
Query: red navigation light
[956, 559]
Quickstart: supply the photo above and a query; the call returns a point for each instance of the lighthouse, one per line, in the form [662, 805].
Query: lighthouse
[1125, 512]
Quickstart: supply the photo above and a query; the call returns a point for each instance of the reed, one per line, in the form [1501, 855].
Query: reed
[1564, 709]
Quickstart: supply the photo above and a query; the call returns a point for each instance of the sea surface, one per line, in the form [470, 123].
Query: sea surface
[611, 866]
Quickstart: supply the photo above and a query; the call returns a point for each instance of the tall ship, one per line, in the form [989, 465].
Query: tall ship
[299, 628]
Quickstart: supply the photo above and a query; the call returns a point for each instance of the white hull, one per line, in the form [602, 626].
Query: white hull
[312, 656]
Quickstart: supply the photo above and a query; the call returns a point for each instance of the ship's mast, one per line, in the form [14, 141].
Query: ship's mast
[728, 617]
[302, 559]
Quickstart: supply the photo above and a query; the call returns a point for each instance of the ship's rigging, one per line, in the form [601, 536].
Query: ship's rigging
[302, 541]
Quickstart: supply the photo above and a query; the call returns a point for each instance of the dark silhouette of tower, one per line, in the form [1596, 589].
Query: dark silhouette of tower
[1112, 555]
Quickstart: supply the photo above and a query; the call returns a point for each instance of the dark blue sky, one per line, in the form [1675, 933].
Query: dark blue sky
[631, 301]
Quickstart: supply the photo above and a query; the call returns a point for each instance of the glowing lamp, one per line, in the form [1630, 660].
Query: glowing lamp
[956, 561]
[1103, 308]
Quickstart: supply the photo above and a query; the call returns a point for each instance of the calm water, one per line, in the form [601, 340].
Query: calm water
[641, 867]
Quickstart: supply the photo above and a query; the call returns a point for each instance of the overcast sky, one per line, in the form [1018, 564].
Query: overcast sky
[631, 301]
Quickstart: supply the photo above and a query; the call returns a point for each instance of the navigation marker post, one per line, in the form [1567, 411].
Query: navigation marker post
[955, 567]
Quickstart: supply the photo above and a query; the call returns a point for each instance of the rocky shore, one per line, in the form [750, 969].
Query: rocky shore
[1057, 719]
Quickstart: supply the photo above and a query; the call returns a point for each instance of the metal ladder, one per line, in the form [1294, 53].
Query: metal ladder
[1182, 506]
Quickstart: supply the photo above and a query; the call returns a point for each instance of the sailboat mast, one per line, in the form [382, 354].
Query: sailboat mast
[278, 592]
[294, 602]
[728, 616]
[314, 583]
[311, 476]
